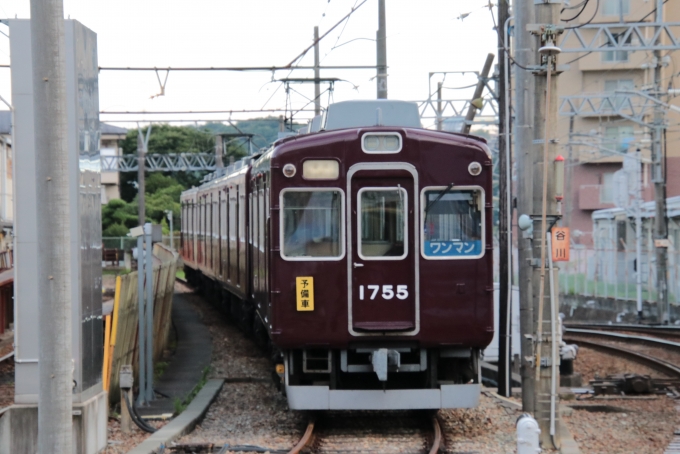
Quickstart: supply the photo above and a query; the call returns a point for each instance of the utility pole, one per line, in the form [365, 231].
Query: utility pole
[381, 48]
[477, 102]
[317, 74]
[440, 118]
[54, 270]
[544, 154]
[141, 187]
[659, 179]
[219, 151]
[525, 56]
[505, 242]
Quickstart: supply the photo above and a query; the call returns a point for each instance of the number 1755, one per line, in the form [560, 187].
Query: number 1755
[387, 291]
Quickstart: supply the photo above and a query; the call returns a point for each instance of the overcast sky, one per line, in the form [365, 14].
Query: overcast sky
[422, 37]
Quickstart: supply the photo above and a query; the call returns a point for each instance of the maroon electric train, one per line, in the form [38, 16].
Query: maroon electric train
[362, 250]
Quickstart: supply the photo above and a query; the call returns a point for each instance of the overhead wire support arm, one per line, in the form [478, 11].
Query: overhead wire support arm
[647, 36]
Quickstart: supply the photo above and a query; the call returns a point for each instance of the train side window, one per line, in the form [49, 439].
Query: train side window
[382, 223]
[312, 227]
[452, 223]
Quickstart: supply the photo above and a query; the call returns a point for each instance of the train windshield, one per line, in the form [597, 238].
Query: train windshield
[311, 224]
[453, 223]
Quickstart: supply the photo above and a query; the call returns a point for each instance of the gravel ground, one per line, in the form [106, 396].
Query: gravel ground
[643, 426]
[257, 414]
[591, 363]
[120, 443]
[6, 383]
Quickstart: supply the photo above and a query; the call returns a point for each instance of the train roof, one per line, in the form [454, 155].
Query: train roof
[375, 112]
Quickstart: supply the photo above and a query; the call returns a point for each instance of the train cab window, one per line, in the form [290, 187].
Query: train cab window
[382, 223]
[453, 222]
[312, 227]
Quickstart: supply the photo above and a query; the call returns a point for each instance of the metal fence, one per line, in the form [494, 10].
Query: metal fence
[126, 243]
[612, 273]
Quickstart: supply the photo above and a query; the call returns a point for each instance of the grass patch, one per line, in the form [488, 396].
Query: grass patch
[180, 274]
[115, 272]
[159, 369]
[181, 405]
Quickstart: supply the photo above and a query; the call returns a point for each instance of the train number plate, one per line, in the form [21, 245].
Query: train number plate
[386, 292]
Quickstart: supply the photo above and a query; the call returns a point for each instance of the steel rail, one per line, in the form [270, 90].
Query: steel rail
[306, 438]
[655, 363]
[628, 338]
[437, 436]
[648, 329]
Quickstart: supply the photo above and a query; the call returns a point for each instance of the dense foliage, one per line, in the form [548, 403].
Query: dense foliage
[164, 188]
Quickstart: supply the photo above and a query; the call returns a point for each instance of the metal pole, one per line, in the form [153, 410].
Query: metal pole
[525, 55]
[140, 179]
[638, 235]
[317, 74]
[660, 226]
[381, 49]
[505, 208]
[54, 241]
[172, 234]
[141, 398]
[479, 89]
[148, 263]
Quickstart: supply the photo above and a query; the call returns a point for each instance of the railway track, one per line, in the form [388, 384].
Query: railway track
[361, 432]
[589, 338]
[654, 330]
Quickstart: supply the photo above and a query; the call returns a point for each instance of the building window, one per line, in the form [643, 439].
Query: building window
[607, 188]
[619, 138]
[615, 7]
[616, 55]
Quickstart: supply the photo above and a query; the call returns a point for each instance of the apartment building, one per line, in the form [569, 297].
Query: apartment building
[595, 145]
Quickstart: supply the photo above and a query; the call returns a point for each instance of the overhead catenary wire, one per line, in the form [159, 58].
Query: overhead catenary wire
[584, 3]
[597, 8]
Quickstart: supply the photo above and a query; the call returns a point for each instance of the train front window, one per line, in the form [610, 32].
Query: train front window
[311, 227]
[382, 223]
[453, 223]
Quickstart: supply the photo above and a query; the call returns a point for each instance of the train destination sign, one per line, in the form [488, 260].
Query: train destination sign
[560, 244]
[304, 289]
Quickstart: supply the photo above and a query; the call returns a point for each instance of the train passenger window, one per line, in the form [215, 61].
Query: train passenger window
[382, 223]
[453, 222]
[312, 226]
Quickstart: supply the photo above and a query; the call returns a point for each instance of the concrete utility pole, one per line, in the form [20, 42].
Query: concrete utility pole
[475, 102]
[659, 179]
[544, 154]
[317, 74]
[505, 242]
[219, 151]
[440, 117]
[141, 187]
[381, 48]
[525, 56]
[142, 145]
[53, 215]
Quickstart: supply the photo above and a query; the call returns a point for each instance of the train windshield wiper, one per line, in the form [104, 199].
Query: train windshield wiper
[439, 197]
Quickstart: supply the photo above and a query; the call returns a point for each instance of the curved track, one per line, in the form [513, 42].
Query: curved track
[654, 330]
[343, 438]
[584, 337]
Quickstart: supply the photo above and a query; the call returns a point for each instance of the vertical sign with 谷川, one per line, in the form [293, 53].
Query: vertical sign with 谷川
[304, 288]
[560, 244]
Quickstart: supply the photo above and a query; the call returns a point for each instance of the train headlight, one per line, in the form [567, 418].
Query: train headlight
[475, 168]
[320, 169]
[378, 142]
[289, 170]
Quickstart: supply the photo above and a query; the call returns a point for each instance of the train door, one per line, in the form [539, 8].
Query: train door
[383, 246]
